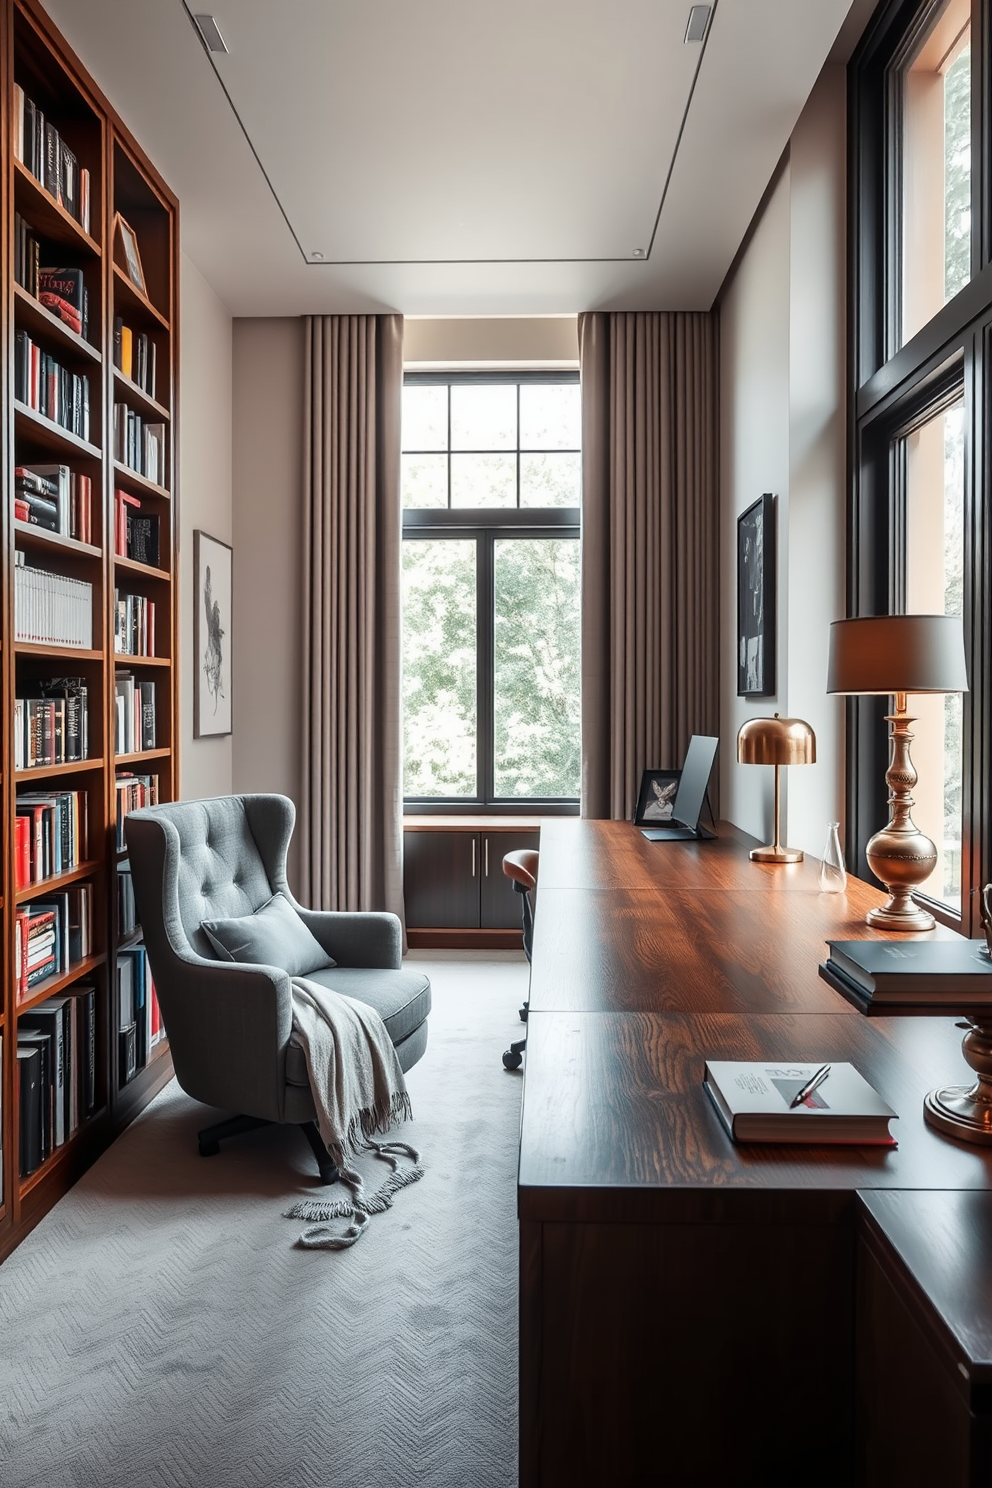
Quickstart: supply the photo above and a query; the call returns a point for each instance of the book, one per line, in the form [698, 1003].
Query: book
[915, 970]
[753, 1100]
[29, 1107]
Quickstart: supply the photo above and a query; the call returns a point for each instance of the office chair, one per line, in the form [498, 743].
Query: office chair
[521, 868]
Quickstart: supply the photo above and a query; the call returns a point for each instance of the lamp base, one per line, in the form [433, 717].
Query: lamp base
[901, 913]
[958, 1111]
[776, 853]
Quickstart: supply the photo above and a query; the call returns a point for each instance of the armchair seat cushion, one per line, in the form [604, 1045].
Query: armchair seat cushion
[401, 998]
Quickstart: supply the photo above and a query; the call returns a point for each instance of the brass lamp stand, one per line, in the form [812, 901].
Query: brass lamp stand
[776, 741]
[900, 855]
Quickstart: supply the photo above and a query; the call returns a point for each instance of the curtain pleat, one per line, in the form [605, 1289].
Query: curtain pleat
[351, 806]
[650, 550]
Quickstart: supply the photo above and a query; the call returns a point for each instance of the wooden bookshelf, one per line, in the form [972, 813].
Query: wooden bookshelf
[34, 58]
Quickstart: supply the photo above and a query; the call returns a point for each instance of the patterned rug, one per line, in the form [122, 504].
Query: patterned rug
[160, 1330]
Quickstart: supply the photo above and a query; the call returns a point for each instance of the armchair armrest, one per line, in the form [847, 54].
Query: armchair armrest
[364, 938]
[228, 1026]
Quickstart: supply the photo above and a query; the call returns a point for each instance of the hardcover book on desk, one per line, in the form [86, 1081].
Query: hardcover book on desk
[760, 1102]
[917, 971]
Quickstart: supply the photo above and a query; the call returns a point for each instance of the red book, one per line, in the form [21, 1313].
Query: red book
[22, 850]
[123, 501]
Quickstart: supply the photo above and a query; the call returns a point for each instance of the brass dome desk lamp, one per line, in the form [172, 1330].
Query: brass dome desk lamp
[776, 741]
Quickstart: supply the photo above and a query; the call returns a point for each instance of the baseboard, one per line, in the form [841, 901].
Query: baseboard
[465, 940]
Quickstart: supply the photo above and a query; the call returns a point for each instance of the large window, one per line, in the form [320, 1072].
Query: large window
[933, 149]
[921, 511]
[491, 479]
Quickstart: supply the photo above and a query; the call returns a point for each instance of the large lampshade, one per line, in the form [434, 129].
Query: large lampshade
[889, 654]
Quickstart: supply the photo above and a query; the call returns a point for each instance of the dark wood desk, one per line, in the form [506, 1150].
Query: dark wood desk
[687, 1306]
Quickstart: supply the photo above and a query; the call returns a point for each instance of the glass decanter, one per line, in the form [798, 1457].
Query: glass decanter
[833, 874]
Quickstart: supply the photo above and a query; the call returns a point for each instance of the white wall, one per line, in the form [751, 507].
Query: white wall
[268, 518]
[205, 502]
[782, 327]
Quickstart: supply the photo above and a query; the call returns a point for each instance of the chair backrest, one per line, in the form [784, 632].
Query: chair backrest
[201, 860]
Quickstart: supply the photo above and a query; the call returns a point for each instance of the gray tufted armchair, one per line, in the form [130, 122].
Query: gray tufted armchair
[229, 1025]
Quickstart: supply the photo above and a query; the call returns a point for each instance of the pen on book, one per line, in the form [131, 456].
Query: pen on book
[811, 1085]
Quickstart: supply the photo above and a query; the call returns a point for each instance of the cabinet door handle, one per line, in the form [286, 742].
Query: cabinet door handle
[487, 858]
[473, 857]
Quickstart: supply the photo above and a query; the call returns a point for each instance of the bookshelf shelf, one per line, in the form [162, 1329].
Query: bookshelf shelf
[51, 885]
[68, 767]
[29, 535]
[122, 659]
[41, 430]
[57, 653]
[39, 73]
[34, 316]
[130, 479]
[138, 398]
[141, 756]
[162, 575]
[52, 985]
[130, 300]
[47, 216]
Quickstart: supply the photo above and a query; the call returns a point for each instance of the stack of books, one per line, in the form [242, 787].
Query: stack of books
[39, 146]
[934, 976]
[56, 498]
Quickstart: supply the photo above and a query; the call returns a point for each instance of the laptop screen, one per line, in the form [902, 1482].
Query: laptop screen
[695, 776]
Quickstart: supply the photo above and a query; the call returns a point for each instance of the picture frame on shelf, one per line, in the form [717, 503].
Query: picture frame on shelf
[656, 797]
[213, 574]
[756, 599]
[132, 258]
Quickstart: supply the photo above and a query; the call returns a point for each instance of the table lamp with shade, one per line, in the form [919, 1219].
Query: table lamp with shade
[776, 741]
[893, 655]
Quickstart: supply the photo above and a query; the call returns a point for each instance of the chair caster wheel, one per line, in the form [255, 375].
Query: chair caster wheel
[524, 1010]
[512, 1059]
[209, 1149]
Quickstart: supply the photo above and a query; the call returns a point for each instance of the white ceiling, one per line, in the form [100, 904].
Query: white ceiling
[448, 157]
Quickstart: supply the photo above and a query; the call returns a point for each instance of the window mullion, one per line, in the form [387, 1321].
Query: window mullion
[486, 655]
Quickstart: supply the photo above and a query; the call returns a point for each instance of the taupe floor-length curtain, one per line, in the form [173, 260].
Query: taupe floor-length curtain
[650, 547]
[351, 801]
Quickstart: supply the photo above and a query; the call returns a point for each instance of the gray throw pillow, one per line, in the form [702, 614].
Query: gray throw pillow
[273, 936]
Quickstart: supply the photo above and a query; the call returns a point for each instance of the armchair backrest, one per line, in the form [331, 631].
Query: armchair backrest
[201, 860]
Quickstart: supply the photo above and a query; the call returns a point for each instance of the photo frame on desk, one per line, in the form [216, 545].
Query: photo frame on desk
[656, 797]
[213, 563]
[132, 258]
[756, 599]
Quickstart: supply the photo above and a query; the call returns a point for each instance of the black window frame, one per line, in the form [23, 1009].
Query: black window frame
[485, 526]
[894, 389]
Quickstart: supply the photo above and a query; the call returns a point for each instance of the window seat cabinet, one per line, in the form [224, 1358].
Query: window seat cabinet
[456, 892]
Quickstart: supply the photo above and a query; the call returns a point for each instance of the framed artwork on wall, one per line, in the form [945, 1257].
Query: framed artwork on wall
[212, 588]
[756, 599]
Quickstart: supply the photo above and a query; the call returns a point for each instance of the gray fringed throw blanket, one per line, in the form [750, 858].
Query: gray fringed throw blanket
[359, 1091]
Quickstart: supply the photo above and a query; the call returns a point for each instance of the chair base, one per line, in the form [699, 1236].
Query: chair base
[514, 1055]
[524, 1011]
[210, 1138]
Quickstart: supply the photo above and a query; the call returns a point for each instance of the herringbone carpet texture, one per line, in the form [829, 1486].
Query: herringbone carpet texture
[160, 1330]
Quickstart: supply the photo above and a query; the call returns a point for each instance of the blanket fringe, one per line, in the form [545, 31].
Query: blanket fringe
[318, 1212]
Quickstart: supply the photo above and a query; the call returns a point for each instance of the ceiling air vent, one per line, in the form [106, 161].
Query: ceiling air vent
[699, 19]
[214, 42]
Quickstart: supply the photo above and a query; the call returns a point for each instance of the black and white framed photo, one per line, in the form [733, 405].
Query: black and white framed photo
[656, 797]
[756, 599]
[212, 586]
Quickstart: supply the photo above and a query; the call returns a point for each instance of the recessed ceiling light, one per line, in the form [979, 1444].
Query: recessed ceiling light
[699, 19]
[637, 253]
[316, 255]
[210, 33]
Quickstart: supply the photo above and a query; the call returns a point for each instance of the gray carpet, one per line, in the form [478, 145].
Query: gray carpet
[160, 1329]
